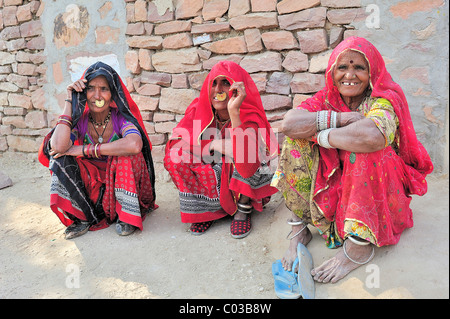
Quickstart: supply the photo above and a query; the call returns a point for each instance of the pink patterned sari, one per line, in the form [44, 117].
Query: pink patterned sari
[345, 193]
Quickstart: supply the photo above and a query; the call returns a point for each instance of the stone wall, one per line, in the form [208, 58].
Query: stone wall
[164, 49]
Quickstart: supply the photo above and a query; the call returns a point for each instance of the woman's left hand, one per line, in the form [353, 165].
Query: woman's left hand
[237, 97]
[74, 150]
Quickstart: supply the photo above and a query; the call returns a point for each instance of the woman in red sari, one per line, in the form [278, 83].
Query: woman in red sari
[99, 156]
[219, 154]
[350, 161]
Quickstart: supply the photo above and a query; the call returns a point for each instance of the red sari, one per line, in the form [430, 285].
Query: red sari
[210, 187]
[371, 189]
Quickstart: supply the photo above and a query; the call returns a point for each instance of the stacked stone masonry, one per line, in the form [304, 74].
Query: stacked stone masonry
[283, 44]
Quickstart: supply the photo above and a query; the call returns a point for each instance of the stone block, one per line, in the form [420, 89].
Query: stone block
[279, 40]
[165, 127]
[132, 62]
[162, 79]
[273, 102]
[188, 8]
[265, 20]
[140, 10]
[211, 28]
[149, 89]
[341, 3]
[289, 6]
[234, 45]
[309, 18]
[9, 16]
[22, 144]
[253, 40]
[24, 13]
[263, 5]
[208, 64]
[173, 27]
[176, 100]
[20, 100]
[178, 41]
[145, 42]
[145, 59]
[31, 28]
[177, 61]
[296, 61]
[145, 103]
[135, 28]
[262, 62]
[213, 9]
[313, 41]
[238, 8]
[307, 83]
[279, 83]
[36, 119]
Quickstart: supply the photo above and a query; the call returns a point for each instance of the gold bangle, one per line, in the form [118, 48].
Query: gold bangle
[95, 150]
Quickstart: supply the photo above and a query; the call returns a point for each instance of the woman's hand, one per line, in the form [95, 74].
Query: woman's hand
[348, 118]
[235, 102]
[223, 146]
[74, 150]
[238, 96]
[78, 86]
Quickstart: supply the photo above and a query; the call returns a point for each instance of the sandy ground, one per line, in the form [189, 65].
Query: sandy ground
[166, 261]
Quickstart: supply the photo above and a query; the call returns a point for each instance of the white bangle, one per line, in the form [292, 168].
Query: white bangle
[358, 242]
[321, 120]
[322, 138]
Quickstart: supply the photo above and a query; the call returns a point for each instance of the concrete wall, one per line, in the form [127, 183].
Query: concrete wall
[163, 49]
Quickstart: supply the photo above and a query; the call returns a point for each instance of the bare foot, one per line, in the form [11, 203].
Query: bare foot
[304, 237]
[339, 266]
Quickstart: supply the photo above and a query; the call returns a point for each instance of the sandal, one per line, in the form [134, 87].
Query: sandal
[124, 229]
[241, 228]
[76, 229]
[200, 228]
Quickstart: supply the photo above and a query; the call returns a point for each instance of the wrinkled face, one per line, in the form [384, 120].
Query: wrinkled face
[218, 94]
[98, 94]
[351, 74]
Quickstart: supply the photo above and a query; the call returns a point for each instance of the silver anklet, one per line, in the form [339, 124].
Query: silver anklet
[246, 206]
[298, 233]
[359, 242]
[357, 262]
[295, 222]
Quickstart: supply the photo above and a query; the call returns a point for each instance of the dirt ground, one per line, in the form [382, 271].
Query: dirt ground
[166, 261]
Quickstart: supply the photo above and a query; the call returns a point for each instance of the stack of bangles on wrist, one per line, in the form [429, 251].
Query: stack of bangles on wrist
[325, 122]
[65, 119]
[92, 150]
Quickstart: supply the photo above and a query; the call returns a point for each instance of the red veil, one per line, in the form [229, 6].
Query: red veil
[251, 112]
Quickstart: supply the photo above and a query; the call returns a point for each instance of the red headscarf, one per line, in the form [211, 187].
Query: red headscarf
[251, 111]
[411, 150]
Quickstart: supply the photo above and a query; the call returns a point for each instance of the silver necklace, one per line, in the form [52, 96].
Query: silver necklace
[95, 125]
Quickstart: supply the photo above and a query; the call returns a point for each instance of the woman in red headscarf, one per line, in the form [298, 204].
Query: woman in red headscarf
[99, 156]
[350, 161]
[219, 154]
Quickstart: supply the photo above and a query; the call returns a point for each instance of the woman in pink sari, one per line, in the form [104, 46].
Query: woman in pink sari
[350, 162]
